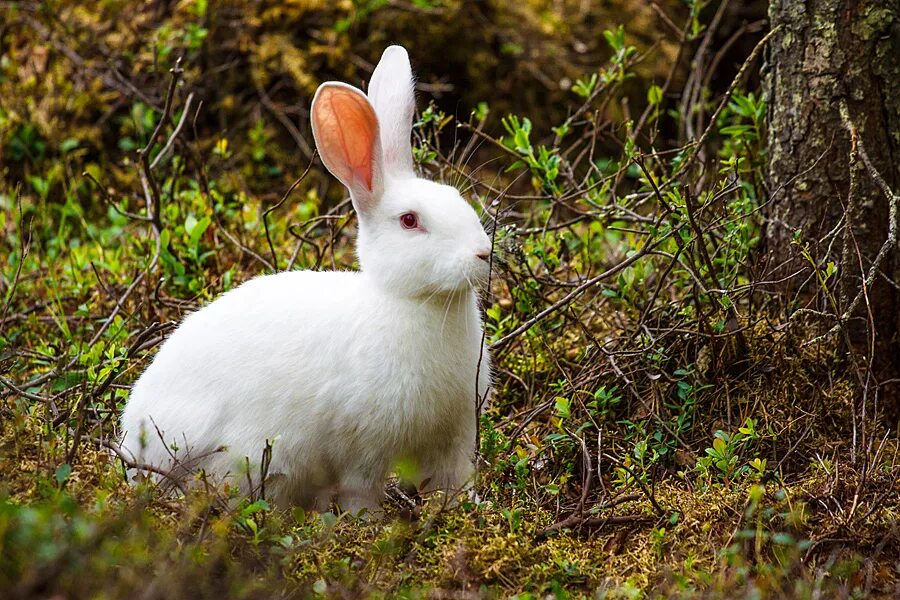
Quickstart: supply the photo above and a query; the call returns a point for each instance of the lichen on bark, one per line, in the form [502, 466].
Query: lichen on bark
[821, 197]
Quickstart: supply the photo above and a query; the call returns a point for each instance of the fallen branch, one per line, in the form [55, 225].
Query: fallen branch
[578, 519]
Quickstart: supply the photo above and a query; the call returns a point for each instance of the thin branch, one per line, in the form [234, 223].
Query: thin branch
[175, 132]
[151, 187]
[886, 247]
[278, 205]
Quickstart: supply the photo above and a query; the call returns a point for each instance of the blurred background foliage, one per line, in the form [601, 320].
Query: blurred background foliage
[81, 81]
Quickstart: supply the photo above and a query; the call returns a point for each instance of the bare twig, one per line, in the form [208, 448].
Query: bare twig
[151, 187]
[889, 244]
[278, 205]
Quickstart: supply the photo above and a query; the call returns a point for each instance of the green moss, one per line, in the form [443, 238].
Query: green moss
[873, 23]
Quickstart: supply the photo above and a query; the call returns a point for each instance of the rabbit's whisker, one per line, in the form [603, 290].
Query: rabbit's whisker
[464, 160]
[435, 291]
[469, 283]
[429, 297]
[450, 298]
[471, 177]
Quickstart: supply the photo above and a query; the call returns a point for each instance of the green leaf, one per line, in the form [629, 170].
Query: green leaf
[62, 473]
[189, 223]
[521, 141]
[562, 407]
[719, 445]
[736, 130]
[616, 40]
[255, 507]
[197, 231]
[481, 111]
[783, 538]
[40, 185]
[654, 95]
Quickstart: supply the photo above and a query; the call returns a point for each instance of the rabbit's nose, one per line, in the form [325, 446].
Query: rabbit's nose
[484, 255]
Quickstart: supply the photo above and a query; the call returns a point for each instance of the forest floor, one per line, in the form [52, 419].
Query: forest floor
[802, 524]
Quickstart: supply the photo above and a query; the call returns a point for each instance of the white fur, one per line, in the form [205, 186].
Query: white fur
[347, 373]
[393, 97]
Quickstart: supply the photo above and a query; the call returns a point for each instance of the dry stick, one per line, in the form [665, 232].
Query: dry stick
[278, 205]
[25, 394]
[691, 209]
[682, 44]
[595, 93]
[849, 243]
[587, 475]
[577, 518]
[133, 464]
[469, 149]
[692, 86]
[333, 214]
[204, 185]
[889, 243]
[249, 251]
[666, 19]
[721, 51]
[152, 197]
[479, 399]
[699, 63]
[110, 202]
[175, 132]
[285, 122]
[631, 387]
[41, 379]
[652, 301]
[99, 390]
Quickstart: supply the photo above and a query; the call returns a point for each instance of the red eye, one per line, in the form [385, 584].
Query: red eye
[409, 220]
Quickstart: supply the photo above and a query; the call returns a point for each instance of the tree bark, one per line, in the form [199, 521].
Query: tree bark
[822, 197]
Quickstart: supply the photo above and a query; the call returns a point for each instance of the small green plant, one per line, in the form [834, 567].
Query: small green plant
[543, 162]
[723, 461]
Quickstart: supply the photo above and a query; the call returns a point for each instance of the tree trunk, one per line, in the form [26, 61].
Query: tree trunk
[825, 54]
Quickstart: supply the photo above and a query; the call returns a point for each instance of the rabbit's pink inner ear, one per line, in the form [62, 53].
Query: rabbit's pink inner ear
[346, 129]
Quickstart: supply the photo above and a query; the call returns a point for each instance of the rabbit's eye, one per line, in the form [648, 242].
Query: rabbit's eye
[409, 220]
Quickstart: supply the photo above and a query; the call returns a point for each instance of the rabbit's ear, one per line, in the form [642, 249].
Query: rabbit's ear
[391, 92]
[345, 128]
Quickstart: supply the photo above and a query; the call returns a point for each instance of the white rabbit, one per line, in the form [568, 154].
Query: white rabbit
[346, 373]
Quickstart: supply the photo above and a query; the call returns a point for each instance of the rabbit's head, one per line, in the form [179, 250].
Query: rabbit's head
[416, 237]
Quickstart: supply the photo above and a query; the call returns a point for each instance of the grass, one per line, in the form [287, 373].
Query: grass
[661, 425]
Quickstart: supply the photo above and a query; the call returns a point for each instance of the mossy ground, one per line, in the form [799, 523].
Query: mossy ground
[100, 536]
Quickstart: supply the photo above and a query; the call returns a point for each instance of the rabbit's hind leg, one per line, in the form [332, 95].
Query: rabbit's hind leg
[452, 473]
[359, 492]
